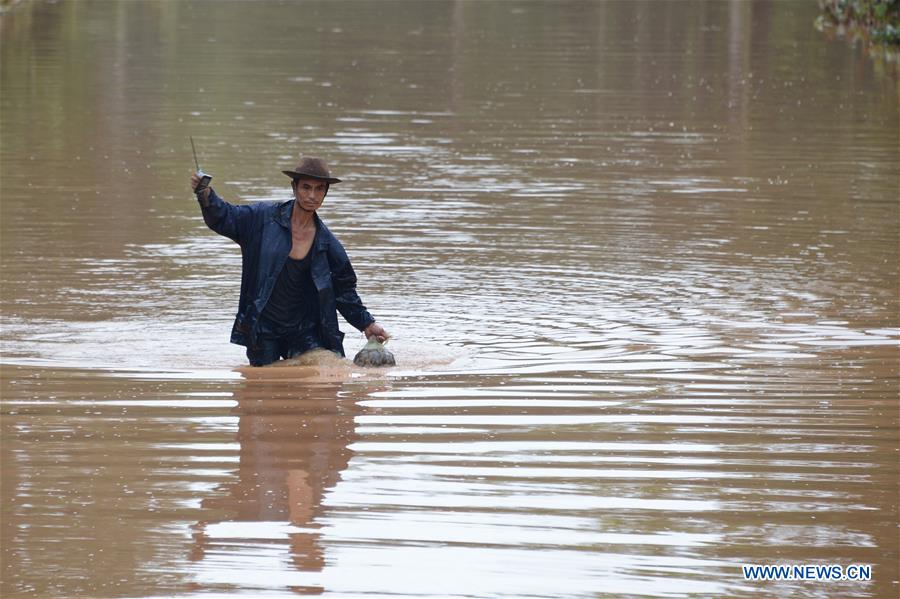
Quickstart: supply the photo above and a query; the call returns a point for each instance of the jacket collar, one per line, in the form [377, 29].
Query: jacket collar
[283, 214]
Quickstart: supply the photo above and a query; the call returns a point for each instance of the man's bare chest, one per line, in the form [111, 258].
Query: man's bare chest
[301, 242]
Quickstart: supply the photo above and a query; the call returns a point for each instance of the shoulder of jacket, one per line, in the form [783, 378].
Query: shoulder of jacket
[270, 205]
[332, 244]
[326, 233]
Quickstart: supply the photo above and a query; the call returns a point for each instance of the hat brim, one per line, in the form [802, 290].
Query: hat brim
[299, 175]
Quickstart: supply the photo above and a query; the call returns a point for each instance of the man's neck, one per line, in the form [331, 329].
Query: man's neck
[301, 219]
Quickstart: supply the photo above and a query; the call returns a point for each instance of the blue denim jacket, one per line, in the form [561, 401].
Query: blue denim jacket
[263, 230]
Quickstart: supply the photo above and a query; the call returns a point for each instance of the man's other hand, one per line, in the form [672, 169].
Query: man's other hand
[195, 181]
[377, 331]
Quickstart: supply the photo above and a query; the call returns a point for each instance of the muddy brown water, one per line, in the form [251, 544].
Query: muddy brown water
[640, 261]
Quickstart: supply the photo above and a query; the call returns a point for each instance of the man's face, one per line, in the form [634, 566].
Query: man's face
[310, 193]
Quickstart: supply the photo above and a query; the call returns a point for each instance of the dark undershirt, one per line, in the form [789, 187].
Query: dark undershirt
[294, 302]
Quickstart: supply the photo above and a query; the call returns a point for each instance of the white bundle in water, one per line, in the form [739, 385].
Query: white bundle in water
[374, 354]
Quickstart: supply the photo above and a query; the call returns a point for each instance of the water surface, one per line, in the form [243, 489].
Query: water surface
[640, 260]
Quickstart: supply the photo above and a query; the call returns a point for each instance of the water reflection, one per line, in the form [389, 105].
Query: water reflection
[294, 434]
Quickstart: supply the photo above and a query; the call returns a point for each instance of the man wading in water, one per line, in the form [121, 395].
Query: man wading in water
[296, 274]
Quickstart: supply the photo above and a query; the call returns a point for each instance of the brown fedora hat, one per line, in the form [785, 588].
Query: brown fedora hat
[314, 168]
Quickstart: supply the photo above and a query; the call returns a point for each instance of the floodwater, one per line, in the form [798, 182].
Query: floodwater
[640, 262]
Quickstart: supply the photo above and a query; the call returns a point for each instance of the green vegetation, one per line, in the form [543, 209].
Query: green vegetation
[7, 4]
[877, 21]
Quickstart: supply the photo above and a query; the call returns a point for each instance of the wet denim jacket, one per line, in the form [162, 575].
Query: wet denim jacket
[263, 230]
